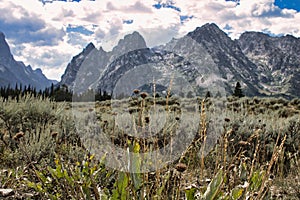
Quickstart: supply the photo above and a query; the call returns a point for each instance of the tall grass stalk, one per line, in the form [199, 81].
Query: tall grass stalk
[203, 137]
[276, 153]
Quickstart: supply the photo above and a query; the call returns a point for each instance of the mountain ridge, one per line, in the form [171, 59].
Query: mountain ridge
[277, 59]
[16, 72]
[206, 56]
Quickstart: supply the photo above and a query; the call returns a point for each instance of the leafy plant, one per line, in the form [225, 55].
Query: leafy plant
[66, 181]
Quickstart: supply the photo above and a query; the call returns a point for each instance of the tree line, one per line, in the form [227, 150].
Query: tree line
[62, 93]
[55, 92]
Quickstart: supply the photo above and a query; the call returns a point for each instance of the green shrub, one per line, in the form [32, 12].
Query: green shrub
[239, 145]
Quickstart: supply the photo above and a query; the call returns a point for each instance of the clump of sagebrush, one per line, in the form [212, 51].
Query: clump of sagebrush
[29, 124]
[28, 112]
[252, 148]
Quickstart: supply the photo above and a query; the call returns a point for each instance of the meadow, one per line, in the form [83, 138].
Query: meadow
[212, 148]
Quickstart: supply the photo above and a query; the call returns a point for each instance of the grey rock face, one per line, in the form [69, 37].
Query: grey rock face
[232, 64]
[86, 69]
[4, 50]
[80, 71]
[14, 72]
[277, 60]
[205, 58]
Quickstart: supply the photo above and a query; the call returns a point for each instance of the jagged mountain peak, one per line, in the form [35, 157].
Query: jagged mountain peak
[210, 34]
[16, 72]
[38, 71]
[89, 47]
[101, 50]
[208, 28]
[253, 34]
[206, 49]
[277, 59]
[260, 35]
[251, 40]
[4, 48]
[2, 36]
[288, 36]
[262, 41]
[134, 36]
[130, 42]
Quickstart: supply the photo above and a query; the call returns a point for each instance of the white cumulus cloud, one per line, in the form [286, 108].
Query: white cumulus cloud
[46, 35]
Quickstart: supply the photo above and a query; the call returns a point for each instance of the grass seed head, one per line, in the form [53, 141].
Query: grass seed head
[244, 143]
[227, 119]
[54, 134]
[136, 91]
[19, 135]
[147, 119]
[144, 95]
[181, 167]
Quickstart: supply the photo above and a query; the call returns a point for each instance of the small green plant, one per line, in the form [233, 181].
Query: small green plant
[67, 181]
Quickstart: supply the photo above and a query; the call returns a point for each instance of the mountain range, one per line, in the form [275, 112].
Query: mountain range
[16, 72]
[206, 59]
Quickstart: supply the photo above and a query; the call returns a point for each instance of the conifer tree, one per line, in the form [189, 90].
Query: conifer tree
[238, 90]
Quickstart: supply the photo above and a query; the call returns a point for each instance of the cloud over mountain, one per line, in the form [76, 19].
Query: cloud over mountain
[63, 27]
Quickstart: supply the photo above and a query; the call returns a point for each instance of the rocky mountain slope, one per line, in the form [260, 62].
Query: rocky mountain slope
[205, 59]
[277, 60]
[86, 69]
[14, 72]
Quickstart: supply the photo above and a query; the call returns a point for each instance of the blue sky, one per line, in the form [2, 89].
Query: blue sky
[289, 4]
[47, 33]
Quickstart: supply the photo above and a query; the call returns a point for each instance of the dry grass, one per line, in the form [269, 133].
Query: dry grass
[244, 147]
